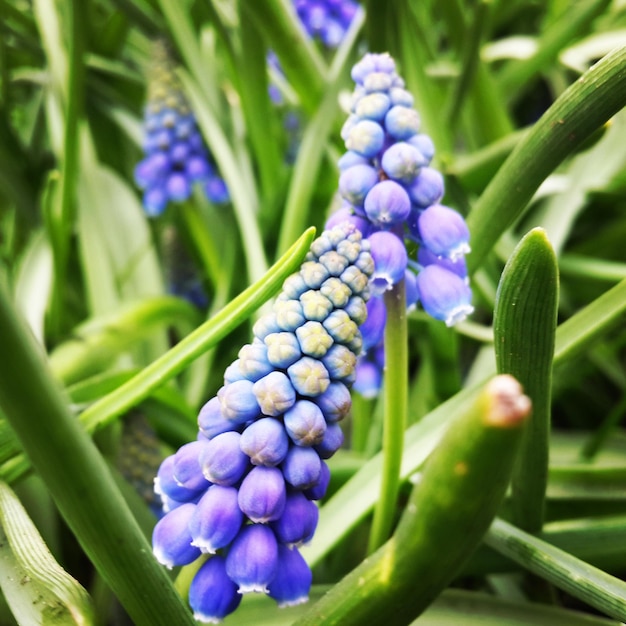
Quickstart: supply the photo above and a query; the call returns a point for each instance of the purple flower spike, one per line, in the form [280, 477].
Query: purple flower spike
[390, 261]
[216, 519]
[297, 524]
[292, 582]
[252, 561]
[274, 393]
[305, 423]
[223, 461]
[387, 204]
[318, 491]
[302, 467]
[444, 232]
[262, 494]
[265, 442]
[212, 594]
[178, 187]
[444, 295]
[356, 181]
[171, 539]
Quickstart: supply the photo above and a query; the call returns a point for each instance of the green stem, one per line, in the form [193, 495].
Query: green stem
[395, 392]
[524, 329]
[595, 97]
[79, 481]
[585, 582]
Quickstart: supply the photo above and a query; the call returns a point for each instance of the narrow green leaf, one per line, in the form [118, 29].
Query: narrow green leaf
[36, 587]
[584, 107]
[524, 330]
[449, 510]
[587, 583]
[78, 480]
[197, 342]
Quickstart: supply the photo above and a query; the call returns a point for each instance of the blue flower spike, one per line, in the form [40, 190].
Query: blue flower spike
[175, 157]
[391, 192]
[247, 498]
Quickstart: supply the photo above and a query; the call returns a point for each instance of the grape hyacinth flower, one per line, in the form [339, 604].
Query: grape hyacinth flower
[244, 492]
[175, 155]
[392, 193]
[326, 20]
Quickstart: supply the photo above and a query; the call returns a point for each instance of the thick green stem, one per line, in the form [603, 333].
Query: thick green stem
[395, 392]
[595, 97]
[79, 481]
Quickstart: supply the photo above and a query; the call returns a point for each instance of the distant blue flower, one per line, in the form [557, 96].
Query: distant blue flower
[175, 155]
[392, 194]
[245, 490]
[326, 20]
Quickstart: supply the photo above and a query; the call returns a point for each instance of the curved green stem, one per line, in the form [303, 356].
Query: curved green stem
[595, 97]
[395, 391]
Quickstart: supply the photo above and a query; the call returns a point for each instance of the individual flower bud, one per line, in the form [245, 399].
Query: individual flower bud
[305, 423]
[444, 295]
[265, 442]
[402, 161]
[341, 327]
[252, 561]
[302, 467]
[274, 393]
[233, 373]
[315, 305]
[211, 421]
[366, 137]
[331, 442]
[297, 524]
[253, 361]
[336, 292]
[346, 214]
[178, 187]
[400, 96]
[216, 520]
[374, 106]
[293, 579]
[166, 485]
[283, 349]
[309, 376]
[267, 323]
[339, 362]
[319, 489]
[171, 539]
[427, 188]
[262, 494]
[356, 309]
[212, 594]
[187, 470]
[377, 81]
[349, 158]
[387, 204]
[458, 266]
[390, 261]
[356, 181]
[402, 122]
[335, 402]
[424, 144]
[334, 262]
[314, 273]
[155, 201]
[238, 402]
[314, 340]
[223, 461]
[289, 314]
[444, 231]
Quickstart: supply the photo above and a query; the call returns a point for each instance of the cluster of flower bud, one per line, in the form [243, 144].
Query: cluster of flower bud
[244, 492]
[326, 20]
[392, 194]
[175, 156]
